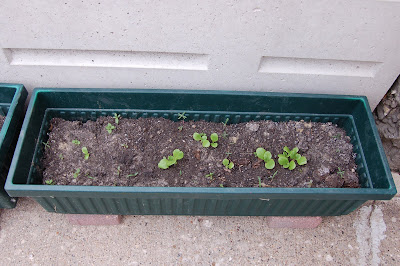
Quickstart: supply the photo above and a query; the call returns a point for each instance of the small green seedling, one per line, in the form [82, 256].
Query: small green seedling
[77, 172]
[49, 182]
[272, 176]
[214, 139]
[289, 158]
[166, 163]
[46, 144]
[110, 128]
[228, 164]
[210, 176]
[266, 156]
[226, 122]
[76, 142]
[224, 135]
[124, 145]
[221, 185]
[180, 128]
[204, 141]
[119, 170]
[340, 172]
[180, 172]
[61, 156]
[85, 152]
[135, 174]
[182, 116]
[88, 176]
[259, 181]
[309, 183]
[116, 118]
[338, 136]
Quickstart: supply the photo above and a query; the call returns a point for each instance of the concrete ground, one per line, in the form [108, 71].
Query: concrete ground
[368, 236]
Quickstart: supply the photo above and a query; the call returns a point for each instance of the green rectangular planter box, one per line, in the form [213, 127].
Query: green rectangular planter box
[350, 112]
[12, 100]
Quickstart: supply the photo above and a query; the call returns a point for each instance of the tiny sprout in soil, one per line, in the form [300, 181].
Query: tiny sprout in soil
[180, 128]
[182, 116]
[119, 170]
[221, 185]
[166, 163]
[180, 172]
[124, 145]
[259, 181]
[77, 172]
[210, 176]
[110, 128]
[340, 172]
[228, 164]
[49, 182]
[116, 117]
[266, 156]
[338, 136]
[272, 176]
[85, 152]
[293, 155]
[224, 135]
[61, 156]
[226, 122]
[309, 183]
[135, 174]
[76, 142]
[46, 144]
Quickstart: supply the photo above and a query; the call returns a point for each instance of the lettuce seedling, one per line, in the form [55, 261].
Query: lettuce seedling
[77, 172]
[85, 152]
[289, 158]
[110, 128]
[49, 182]
[76, 142]
[228, 164]
[165, 163]
[116, 118]
[202, 137]
[266, 156]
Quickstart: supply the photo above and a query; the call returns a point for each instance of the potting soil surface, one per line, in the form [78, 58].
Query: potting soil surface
[129, 155]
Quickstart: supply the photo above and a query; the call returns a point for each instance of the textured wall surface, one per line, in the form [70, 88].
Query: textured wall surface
[339, 47]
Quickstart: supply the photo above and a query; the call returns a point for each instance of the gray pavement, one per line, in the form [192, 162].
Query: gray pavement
[369, 236]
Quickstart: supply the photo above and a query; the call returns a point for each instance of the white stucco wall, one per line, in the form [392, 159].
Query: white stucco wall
[339, 47]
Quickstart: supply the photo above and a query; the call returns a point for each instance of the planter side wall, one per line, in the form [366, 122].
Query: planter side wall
[12, 99]
[210, 207]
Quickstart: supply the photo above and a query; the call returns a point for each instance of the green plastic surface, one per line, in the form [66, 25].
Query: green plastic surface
[350, 112]
[12, 100]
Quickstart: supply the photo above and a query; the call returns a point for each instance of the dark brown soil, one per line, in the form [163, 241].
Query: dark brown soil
[2, 119]
[129, 156]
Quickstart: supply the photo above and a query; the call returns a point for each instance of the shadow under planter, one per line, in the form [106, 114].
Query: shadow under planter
[349, 112]
[12, 100]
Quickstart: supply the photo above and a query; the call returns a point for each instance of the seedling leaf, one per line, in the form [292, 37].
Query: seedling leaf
[76, 142]
[302, 160]
[85, 152]
[292, 165]
[214, 137]
[225, 162]
[267, 156]
[260, 153]
[110, 128]
[196, 136]
[163, 164]
[178, 154]
[270, 164]
[283, 161]
[286, 149]
[205, 143]
[214, 145]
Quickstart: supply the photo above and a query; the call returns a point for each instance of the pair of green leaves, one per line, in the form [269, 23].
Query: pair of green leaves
[204, 141]
[266, 156]
[85, 152]
[165, 163]
[228, 164]
[110, 128]
[289, 158]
